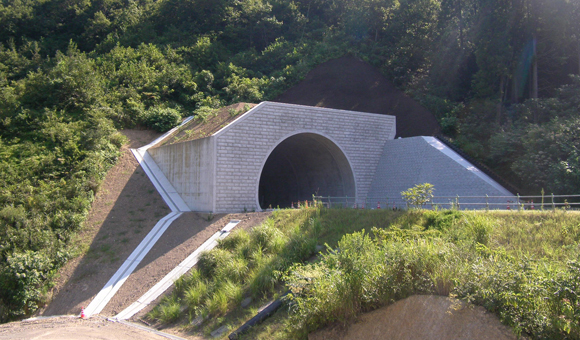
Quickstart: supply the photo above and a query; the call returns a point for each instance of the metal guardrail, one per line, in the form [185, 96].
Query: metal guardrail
[515, 202]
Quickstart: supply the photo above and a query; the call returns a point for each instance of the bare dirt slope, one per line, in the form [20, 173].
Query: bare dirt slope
[181, 239]
[422, 317]
[125, 209]
[348, 83]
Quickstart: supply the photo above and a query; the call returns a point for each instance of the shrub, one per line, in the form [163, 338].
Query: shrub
[234, 270]
[195, 294]
[267, 276]
[217, 303]
[480, 227]
[267, 237]
[233, 292]
[168, 311]
[188, 280]
[22, 279]
[209, 262]
[235, 240]
[203, 113]
[442, 220]
[419, 195]
[565, 301]
[162, 118]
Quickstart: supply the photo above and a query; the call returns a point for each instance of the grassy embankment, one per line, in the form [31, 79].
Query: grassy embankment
[522, 266]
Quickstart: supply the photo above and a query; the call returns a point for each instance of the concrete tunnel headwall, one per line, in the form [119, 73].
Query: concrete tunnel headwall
[278, 153]
[302, 165]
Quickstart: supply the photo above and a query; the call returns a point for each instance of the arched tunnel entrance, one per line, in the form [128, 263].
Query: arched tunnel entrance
[303, 165]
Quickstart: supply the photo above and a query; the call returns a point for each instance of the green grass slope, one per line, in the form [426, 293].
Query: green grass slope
[522, 266]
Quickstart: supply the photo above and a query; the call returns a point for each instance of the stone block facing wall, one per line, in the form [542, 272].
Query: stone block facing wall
[243, 147]
[410, 161]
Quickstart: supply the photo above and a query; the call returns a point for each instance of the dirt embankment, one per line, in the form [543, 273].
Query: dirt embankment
[125, 209]
[348, 83]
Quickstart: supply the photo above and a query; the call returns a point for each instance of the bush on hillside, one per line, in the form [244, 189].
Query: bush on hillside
[419, 195]
[446, 253]
[162, 119]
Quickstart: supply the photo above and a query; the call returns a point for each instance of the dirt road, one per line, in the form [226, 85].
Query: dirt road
[68, 328]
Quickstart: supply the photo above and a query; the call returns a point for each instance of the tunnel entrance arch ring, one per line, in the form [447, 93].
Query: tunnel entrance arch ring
[311, 158]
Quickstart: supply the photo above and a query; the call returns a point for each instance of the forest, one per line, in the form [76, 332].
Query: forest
[501, 76]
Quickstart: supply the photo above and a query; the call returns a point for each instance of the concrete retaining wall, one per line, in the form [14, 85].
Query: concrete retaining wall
[221, 173]
[190, 167]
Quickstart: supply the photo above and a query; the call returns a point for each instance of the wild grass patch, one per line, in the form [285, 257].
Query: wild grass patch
[522, 266]
[245, 264]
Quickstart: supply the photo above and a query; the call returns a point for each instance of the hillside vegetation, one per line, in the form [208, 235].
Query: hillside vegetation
[494, 72]
[522, 266]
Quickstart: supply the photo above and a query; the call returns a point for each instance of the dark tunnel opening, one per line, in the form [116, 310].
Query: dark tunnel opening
[303, 165]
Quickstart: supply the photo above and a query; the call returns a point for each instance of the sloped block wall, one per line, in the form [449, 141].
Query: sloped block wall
[410, 161]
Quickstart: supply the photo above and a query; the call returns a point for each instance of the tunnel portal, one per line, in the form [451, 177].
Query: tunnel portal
[302, 165]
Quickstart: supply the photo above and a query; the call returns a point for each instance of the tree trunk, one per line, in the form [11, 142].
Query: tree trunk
[460, 24]
[501, 100]
[534, 89]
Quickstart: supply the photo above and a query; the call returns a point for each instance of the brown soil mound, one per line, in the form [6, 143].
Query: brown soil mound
[348, 83]
[200, 128]
[422, 317]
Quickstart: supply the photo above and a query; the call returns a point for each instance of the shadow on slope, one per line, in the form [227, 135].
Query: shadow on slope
[348, 83]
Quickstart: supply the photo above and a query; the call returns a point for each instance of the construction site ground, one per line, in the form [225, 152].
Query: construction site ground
[67, 328]
[127, 207]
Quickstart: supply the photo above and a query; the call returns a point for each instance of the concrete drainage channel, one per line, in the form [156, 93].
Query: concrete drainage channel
[115, 283]
[177, 206]
[175, 203]
[175, 274]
